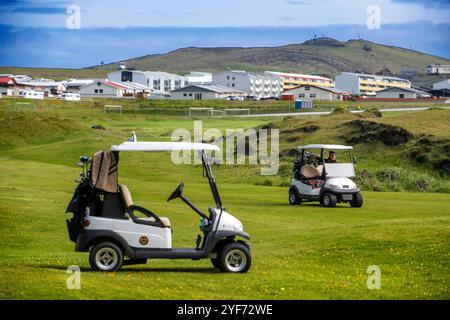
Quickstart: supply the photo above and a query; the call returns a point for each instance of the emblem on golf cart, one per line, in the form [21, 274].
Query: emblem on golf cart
[143, 240]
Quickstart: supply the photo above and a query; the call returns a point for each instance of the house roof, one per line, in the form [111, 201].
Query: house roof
[297, 75]
[333, 90]
[115, 85]
[38, 83]
[375, 76]
[7, 81]
[210, 88]
[413, 90]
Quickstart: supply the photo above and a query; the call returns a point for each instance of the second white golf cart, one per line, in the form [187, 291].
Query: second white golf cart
[329, 182]
[105, 220]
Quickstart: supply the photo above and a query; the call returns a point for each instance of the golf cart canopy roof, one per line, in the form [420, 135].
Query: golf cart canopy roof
[164, 146]
[326, 146]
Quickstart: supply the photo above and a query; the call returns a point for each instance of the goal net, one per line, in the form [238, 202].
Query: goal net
[199, 111]
[236, 111]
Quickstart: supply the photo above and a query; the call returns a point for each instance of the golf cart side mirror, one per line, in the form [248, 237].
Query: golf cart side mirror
[177, 193]
[354, 160]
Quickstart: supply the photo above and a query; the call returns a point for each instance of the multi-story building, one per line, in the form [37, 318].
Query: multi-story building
[160, 82]
[368, 84]
[293, 80]
[253, 84]
[444, 84]
[196, 77]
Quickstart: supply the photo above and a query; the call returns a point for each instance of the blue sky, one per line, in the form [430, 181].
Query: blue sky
[34, 33]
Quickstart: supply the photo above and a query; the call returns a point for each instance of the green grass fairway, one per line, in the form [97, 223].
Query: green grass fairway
[301, 252]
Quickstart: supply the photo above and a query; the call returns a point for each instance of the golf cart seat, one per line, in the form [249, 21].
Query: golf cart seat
[130, 207]
[310, 172]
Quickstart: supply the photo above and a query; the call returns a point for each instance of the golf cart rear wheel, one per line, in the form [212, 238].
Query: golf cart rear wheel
[357, 200]
[329, 200]
[105, 256]
[215, 263]
[294, 198]
[235, 258]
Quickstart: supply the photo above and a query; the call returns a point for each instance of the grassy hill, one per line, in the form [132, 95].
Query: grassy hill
[323, 56]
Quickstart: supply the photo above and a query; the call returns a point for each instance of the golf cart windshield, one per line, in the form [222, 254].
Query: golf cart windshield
[339, 170]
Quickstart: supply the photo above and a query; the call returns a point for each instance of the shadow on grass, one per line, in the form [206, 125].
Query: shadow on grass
[308, 204]
[134, 270]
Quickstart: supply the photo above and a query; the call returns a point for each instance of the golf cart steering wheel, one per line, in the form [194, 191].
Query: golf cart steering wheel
[177, 193]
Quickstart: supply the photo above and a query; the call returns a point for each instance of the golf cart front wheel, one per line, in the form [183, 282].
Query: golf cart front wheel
[329, 200]
[357, 200]
[105, 256]
[234, 258]
[294, 198]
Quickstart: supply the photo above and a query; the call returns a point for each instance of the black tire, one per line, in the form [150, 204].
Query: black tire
[329, 200]
[357, 201]
[215, 263]
[294, 197]
[106, 256]
[234, 258]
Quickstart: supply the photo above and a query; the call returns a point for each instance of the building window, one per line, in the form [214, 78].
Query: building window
[228, 77]
[301, 95]
[190, 94]
[401, 95]
[96, 91]
[157, 84]
[312, 95]
[101, 90]
[127, 76]
[232, 85]
[99, 84]
[184, 94]
[307, 88]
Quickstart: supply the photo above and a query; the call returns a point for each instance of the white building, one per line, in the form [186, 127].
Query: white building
[103, 89]
[444, 84]
[160, 82]
[205, 92]
[253, 84]
[314, 93]
[438, 69]
[74, 85]
[367, 84]
[292, 80]
[49, 87]
[402, 93]
[196, 77]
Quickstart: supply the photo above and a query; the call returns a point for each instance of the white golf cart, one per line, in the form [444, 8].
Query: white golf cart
[106, 224]
[317, 179]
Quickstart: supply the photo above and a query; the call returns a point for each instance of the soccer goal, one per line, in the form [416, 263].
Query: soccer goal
[108, 108]
[17, 106]
[200, 111]
[236, 111]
